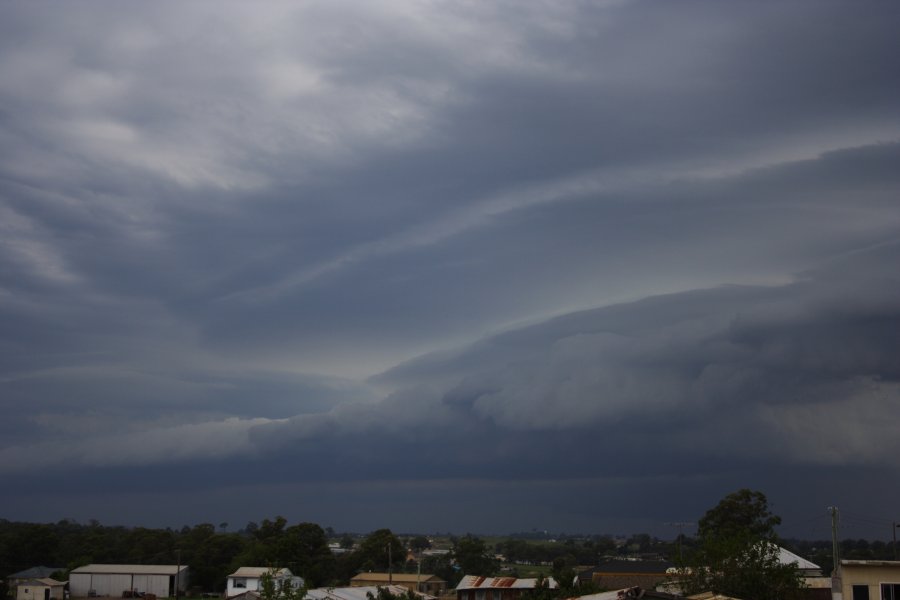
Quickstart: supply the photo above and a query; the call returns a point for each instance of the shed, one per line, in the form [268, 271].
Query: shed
[43, 588]
[113, 580]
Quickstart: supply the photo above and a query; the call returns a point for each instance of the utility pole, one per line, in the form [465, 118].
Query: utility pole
[177, 571]
[837, 591]
[390, 566]
[680, 525]
[894, 532]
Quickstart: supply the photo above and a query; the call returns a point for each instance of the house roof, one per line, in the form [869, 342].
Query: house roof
[629, 593]
[258, 572]
[128, 569]
[35, 572]
[870, 563]
[628, 566]
[42, 581]
[787, 557]
[474, 582]
[358, 593]
[404, 577]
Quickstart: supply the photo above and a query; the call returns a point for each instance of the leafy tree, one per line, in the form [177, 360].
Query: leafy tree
[306, 546]
[419, 543]
[564, 574]
[377, 548]
[737, 553]
[270, 588]
[472, 556]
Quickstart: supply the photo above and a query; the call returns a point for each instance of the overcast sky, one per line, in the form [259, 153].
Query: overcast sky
[467, 266]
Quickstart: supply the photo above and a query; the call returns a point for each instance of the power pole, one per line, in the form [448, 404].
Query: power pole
[680, 525]
[894, 533]
[177, 571]
[837, 591]
[390, 566]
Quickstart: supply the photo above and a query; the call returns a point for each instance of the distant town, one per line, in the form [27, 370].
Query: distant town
[735, 550]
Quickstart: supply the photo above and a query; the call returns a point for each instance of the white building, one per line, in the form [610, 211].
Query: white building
[247, 579]
[112, 580]
[40, 589]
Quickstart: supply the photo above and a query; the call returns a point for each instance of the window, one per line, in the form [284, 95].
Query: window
[890, 591]
[860, 592]
[239, 582]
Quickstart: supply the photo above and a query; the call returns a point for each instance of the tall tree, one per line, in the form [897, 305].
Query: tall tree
[378, 547]
[306, 546]
[473, 557]
[737, 553]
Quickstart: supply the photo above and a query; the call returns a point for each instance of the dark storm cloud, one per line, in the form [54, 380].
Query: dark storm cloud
[217, 221]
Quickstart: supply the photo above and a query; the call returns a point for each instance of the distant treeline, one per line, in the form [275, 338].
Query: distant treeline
[212, 552]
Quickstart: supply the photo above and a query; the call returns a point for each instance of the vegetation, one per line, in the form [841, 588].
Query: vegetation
[737, 552]
[212, 552]
[272, 589]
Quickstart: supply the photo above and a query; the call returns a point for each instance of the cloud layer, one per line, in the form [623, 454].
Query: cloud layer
[427, 243]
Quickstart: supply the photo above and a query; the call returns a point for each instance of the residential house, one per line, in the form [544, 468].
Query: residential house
[41, 572]
[44, 588]
[248, 579]
[870, 579]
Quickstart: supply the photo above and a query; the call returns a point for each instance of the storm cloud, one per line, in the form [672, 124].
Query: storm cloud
[431, 249]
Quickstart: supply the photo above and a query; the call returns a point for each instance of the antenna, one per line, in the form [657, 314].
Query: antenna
[680, 525]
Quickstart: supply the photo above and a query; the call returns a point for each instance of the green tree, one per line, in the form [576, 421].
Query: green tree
[272, 588]
[379, 546]
[737, 552]
[472, 556]
[306, 546]
[419, 543]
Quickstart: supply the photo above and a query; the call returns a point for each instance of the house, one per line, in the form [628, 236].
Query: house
[473, 587]
[114, 580]
[421, 582]
[247, 579]
[616, 574]
[870, 579]
[41, 572]
[359, 593]
[40, 589]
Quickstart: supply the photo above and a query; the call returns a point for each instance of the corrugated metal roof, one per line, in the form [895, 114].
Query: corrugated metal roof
[258, 572]
[407, 577]
[474, 582]
[35, 572]
[128, 569]
[42, 581]
[787, 557]
[358, 593]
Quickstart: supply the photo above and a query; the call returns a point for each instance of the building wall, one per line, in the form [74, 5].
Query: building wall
[871, 576]
[109, 584]
[490, 594]
[252, 585]
[432, 586]
[37, 592]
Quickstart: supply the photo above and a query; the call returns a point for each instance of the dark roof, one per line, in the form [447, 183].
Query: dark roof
[626, 566]
[35, 572]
